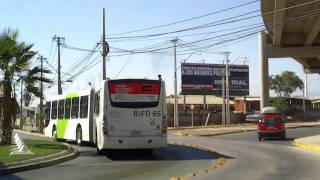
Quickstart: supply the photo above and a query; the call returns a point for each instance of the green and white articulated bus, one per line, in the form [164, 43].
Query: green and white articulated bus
[117, 114]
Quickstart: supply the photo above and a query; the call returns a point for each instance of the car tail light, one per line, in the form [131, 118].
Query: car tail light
[280, 125]
[262, 126]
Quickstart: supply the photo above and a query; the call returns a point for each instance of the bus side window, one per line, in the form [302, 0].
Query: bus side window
[61, 109]
[96, 102]
[47, 111]
[67, 108]
[84, 107]
[75, 108]
[54, 110]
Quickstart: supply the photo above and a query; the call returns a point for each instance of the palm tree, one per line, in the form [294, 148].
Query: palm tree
[15, 66]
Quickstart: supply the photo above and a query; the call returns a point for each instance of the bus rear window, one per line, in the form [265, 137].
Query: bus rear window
[140, 94]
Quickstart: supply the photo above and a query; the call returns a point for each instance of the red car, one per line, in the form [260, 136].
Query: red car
[271, 125]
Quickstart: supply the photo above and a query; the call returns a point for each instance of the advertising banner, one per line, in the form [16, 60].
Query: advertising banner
[206, 79]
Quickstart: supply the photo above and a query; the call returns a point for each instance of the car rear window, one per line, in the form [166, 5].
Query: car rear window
[268, 121]
[265, 119]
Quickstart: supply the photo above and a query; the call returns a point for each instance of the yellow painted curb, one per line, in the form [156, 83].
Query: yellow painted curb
[203, 170]
[309, 147]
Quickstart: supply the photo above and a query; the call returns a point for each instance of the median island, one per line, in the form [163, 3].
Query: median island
[38, 148]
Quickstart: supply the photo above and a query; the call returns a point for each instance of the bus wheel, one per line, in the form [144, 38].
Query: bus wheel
[100, 152]
[79, 136]
[54, 134]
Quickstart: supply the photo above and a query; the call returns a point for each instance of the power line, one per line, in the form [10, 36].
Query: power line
[191, 35]
[78, 49]
[185, 20]
[81, 62]
[310, 14]
[127, 62]
[50, 49]
[207, 25]
[216, 23]
[86, 68]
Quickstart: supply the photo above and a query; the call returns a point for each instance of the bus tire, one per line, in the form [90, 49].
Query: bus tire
[79, 136]
[100, 151]
[54, 134]
[148, 152]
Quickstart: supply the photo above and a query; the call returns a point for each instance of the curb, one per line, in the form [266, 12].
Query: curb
[30, 133]
[242, 131]
[41, 162]
[203, 170]
[306, 146]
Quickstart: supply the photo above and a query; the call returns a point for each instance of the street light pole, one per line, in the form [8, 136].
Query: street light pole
[223, 108]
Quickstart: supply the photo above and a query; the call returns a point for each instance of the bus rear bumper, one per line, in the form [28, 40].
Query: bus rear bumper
[145, 142]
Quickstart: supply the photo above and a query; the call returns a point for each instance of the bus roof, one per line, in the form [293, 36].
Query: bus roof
[69, 95]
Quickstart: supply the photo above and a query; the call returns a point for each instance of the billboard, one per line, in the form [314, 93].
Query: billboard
[206, 79]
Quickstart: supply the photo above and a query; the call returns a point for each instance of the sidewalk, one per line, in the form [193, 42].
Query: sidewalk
[311, 143]
[235, 128]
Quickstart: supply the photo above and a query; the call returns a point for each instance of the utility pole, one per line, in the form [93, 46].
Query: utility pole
[176, 115]
[41, 92]
[227, 89]
[223, 108]
[59, 40]
[105, 47]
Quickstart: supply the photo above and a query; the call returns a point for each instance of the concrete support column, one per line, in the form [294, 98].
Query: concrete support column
[264, 67]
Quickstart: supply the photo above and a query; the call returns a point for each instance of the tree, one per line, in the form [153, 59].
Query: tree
[16, 66]
[284, 85]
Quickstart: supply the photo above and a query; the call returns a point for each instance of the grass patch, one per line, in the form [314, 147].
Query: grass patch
[39, 148]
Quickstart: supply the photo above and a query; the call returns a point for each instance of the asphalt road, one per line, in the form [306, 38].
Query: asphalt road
[161, 165]
[247, 158]
[265, 160]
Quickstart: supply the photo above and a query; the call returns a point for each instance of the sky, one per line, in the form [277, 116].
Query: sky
[80, 23]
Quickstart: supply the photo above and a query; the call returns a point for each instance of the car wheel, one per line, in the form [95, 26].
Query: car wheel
[79, 136]
[259, 138]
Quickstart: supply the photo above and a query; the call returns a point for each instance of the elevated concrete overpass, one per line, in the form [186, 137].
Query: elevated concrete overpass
[292, 31]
